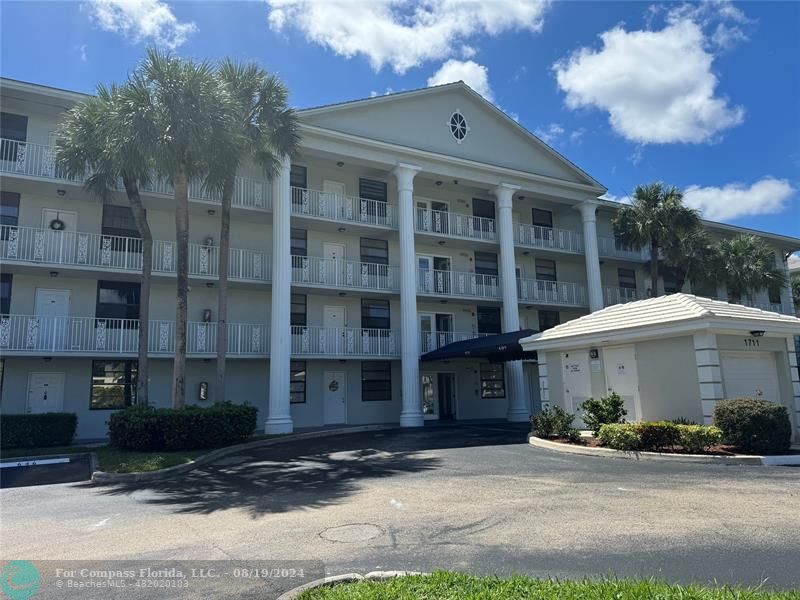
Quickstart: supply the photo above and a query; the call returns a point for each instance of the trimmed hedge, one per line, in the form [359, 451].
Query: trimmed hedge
[146, 428]
[37, 430]
[554, 421]
[597, 413]
[657, 436]
[754, 425]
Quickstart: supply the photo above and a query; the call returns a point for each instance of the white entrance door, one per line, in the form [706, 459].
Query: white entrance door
[750, 375]
[577, 382]
[59, 244]
[335, 397]
[333, 321]
[52, 318]
[425, 273]
[332, 269]
[622, 378]
[45, 392]
[332, 203]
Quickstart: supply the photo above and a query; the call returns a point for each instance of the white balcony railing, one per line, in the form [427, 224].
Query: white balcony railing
[37, 334]
[548, 238]
[433, 340]
[457, 225]
[38, 160]
[561, 293]
[457, 283]
[347, 209]
[344, 341]
[338, 273]
[610, 247]
[617, 295]
[74, 248]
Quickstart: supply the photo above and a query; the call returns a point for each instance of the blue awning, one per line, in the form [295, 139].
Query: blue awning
[503, 347]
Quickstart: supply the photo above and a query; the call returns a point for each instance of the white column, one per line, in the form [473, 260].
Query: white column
[518, 397]
[411, 411]
[709, 373]
[279, 417]
[591, 254]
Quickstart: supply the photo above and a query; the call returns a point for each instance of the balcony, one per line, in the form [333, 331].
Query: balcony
[349, 274]
[328, 342]
[609, 247]
[38, 160]
[109, 252]
[342, 209]
[457, 284]
[455, 225]
[547, 238]
[36, 335]
[617, 295]
[430, 340]
[557, 293]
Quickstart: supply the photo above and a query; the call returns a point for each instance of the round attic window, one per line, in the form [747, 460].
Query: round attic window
[458, 126]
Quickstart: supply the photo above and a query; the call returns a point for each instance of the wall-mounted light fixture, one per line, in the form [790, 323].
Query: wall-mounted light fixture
[210, 284]
[340, 164]
[757, 333]
[438, 182]
[53, 273]
[61, 192]
[212, 212]
[341, 229]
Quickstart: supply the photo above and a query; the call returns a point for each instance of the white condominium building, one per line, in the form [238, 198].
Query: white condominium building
[405, 223]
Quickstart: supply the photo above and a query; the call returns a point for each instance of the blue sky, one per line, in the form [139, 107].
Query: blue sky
[704, 96]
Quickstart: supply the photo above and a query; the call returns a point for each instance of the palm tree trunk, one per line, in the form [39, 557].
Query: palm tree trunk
[222, 303]
[180, 185]
[140, 218]
[654, 268]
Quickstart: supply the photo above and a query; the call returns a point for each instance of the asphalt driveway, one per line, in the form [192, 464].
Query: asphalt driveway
[474, 498]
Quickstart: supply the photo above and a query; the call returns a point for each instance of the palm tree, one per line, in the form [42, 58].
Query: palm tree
[264, 130]
[688, 255]
[102, 138]
[656, 214]
[746, 264]
[192, 119]
[795, 283]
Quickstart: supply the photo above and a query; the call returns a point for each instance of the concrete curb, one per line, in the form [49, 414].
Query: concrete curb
[346, 578]
[103, 477]
[738, 459]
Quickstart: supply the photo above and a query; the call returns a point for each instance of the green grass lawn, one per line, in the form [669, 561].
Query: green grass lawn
[115, 460]
[457, 586]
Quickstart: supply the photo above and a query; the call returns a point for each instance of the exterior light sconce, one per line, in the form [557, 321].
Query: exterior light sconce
[520, 197]
[341, 229]
[212, 212]
[441, 242]
[438, 183]
[342, 294]
[757, 333]
[443, 301]
[526, 253]
[61, 192]
[455, 181]
[206, 315]
[53, 273]
[48, 359]
[340, 164]
[203, 391]
[210, 284]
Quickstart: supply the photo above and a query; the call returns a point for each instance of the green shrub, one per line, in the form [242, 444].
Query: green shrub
[683, 421]
[554, 421]
[146, 428]
[597, 413]
[619, 436]
[698, 438]
[37, 430]
[754, 425]
[656, 436]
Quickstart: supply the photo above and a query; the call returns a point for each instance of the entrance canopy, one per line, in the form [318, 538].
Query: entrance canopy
[497, 348]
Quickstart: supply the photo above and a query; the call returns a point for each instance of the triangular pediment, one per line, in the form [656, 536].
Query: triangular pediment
[421, 119]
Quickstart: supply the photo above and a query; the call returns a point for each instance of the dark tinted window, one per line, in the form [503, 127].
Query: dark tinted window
[299, 241]
[482, 208]
[298, 310]
[13, 127]
[542, 218]
[5, 293]
[297, 381]
[548, 319]
[298, 176]
[374, 251]
[627, 278]
[118, 220]
[489, 319]
[375, 314]
[376, 381]
[113, 384]
[117, 300]
[493, 381]
[545, 269]
[486, 263]
[371, 189]
[9, 208]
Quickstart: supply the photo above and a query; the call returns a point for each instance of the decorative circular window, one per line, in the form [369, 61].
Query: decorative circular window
[458, 126]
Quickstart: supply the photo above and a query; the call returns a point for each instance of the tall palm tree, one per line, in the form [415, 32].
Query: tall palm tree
[103, 139]
[264, 130]
[192, 119]
[689, 255]
[746, 264]
[656, 214]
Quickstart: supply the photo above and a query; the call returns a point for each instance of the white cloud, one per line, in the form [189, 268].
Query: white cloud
[550, 134]
[150, 20]
[402, 33]
[474, 75]
[612, 198]
[657, 86]
[766, 196]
